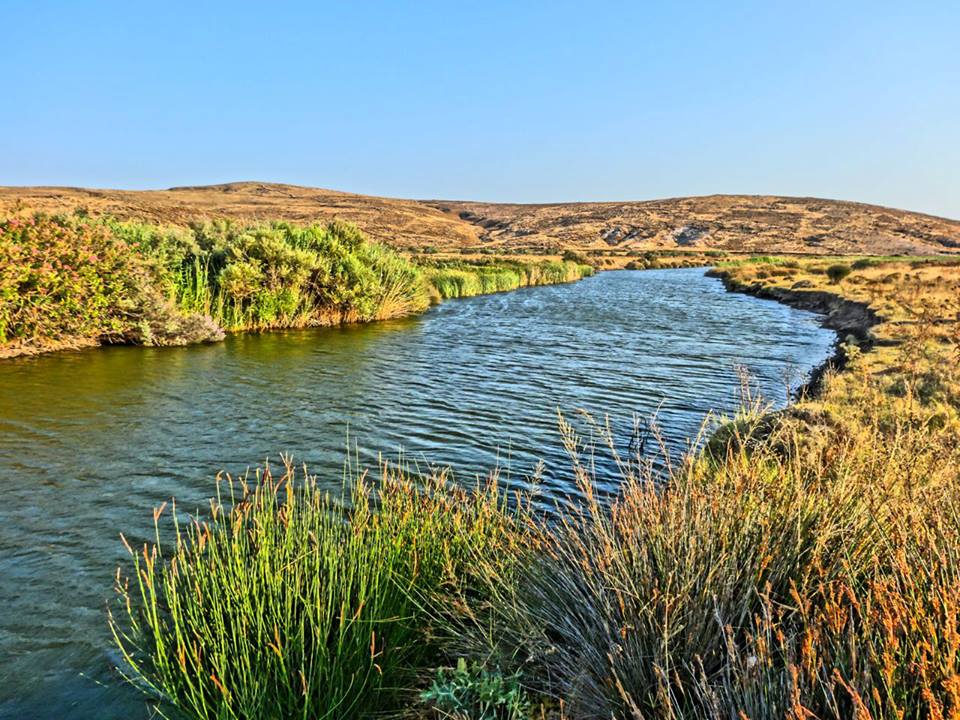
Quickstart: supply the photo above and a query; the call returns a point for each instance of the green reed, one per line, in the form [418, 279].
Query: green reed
[286, 601]
[458, 279]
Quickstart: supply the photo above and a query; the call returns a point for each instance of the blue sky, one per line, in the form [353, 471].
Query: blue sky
[502, 101]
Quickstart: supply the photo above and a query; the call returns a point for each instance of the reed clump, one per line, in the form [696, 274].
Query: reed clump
[783, 578]
[279, 274]
[288, 601]
[458, 279]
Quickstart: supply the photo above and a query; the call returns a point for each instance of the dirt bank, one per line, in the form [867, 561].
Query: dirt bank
[846, 317]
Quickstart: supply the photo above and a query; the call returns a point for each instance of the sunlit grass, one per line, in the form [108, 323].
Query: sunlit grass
[457, 279]
[286, 601]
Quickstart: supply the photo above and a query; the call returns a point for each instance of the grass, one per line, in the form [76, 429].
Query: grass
[774, 581]
[805, 564]
[458, 279]
[279, 274]
[288, 602]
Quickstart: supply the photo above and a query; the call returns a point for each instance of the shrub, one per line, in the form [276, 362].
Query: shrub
[64, 278]
[836, 273]
[575, 257]
[470, 692]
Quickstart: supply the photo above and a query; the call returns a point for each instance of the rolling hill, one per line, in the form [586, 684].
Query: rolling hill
[733, 223]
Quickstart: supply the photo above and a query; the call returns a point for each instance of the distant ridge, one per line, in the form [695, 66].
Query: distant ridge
[734, 223]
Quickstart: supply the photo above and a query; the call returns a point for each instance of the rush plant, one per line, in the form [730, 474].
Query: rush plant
[287, 601]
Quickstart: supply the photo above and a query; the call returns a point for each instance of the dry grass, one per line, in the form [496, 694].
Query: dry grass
[807, 566]
[917, 300]
[733, 223]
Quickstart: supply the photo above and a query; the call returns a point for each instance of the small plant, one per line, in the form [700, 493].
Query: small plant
[836, 273]
[471, 692]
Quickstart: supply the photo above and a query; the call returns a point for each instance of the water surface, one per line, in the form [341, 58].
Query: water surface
[91, 441]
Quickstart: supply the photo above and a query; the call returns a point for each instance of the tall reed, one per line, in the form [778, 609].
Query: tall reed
[462, 279]
[286, 601]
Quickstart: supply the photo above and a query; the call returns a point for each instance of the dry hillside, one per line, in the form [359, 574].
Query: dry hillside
[735, 223]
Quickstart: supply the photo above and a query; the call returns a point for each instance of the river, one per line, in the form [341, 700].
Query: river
[91, 441]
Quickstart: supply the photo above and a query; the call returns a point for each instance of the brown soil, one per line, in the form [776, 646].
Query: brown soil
[732, 223]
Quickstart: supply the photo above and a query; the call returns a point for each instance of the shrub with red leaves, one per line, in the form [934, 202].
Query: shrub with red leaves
[63, 278]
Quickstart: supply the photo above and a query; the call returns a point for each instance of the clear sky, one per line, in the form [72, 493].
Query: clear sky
[506, 101]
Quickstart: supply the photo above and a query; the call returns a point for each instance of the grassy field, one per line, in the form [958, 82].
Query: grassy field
[72, 281]
[804, 564]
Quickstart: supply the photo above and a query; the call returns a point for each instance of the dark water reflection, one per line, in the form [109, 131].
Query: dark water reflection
[91, 441]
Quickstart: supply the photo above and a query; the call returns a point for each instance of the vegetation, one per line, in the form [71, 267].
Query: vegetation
[459, 279]
[807, 565]
[280, 275]
[838, 272]
[664, 259]
[289, 602]
[69, 281]
[476, 693]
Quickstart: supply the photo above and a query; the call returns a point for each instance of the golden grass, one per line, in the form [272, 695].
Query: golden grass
[806, 565]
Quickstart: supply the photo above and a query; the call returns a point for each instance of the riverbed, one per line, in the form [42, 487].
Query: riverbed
[91, 441]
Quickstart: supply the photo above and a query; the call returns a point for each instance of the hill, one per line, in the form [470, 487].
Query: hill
[733, 223]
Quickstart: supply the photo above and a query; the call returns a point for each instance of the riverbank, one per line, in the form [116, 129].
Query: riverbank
[877, 306]
[72, 282]
[850, 319]
[805, 566]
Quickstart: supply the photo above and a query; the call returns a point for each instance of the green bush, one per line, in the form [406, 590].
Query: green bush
[280, 274]
[64, 278]
[470, 692]
[575, 257]
[836, 273]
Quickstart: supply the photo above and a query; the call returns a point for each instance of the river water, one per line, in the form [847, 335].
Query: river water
[91, 441]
